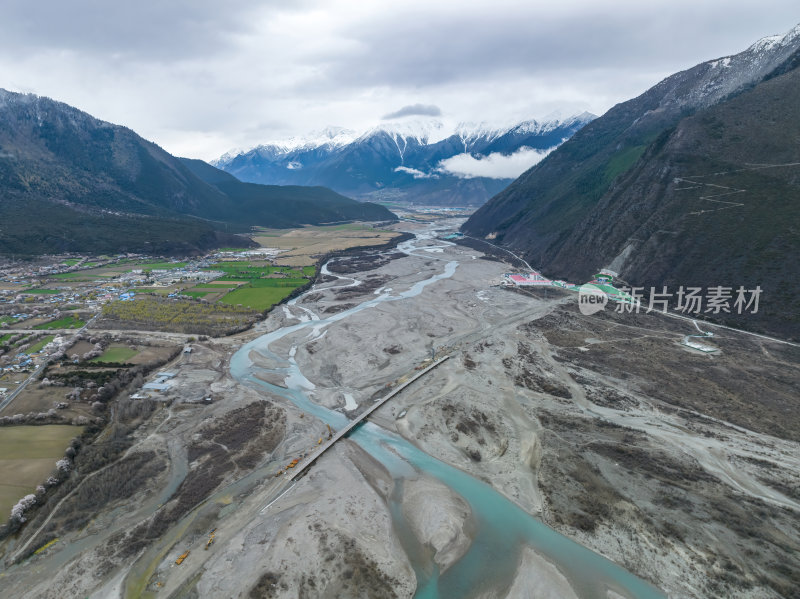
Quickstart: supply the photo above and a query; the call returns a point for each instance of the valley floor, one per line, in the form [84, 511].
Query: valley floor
[681, 467]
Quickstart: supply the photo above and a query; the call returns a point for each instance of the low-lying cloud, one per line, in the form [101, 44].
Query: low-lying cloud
[414, 110]
[493, 166]
[416, 173]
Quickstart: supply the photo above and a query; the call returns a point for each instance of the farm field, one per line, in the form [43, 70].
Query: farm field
[303, 244]
[68, 322]
[116, 353]
[40, 344]
[255, 284]
[27, 456]
[155, 266]
[258, 298]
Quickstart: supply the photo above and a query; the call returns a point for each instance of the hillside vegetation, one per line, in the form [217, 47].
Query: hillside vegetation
[70, 182]
[694, 183]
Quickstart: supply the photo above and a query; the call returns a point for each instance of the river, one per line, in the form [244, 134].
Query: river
[503, 528]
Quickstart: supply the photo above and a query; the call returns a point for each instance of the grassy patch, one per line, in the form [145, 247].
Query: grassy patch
[216, 286]
[38, 347]
[159, 265]
[72, 261]
[68, 322]
[257, 298]
[43, 291]
[29, 454]
[116, 353]
[621, 162]
[75, 275]
[195, 293]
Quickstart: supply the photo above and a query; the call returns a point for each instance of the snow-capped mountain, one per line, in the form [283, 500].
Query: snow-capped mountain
[418, 160]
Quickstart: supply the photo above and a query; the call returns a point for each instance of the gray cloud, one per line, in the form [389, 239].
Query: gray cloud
[201, 76]
[412, 110]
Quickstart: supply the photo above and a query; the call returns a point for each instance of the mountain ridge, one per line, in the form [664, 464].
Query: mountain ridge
[400, 160]
[98, 186]
[609, 197]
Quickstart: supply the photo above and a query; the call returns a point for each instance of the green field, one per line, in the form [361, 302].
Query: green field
[28, 454]
[213, 286]
[158, 265]
[7, 319]
[116, 353]
[72, 261]
[258, 298]
[75, 275]
[240, 270]
[4, 338]
[43, 291]
[40, 344]
[68, 322]
[261, 289]
[196, 293]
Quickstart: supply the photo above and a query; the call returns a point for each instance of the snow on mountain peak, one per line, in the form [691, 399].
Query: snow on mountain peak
[425, 131]
[329, 136]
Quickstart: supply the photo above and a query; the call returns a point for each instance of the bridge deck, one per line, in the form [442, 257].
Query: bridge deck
[302, 466]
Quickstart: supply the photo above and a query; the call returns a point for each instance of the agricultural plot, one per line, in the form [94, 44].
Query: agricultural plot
[155, 266]
[78, 275]
[44, 291]
[258, 298]
[67, 322]
[116, 353]
[27, 456]
[303, 245]
[257, 285]
[40, 344]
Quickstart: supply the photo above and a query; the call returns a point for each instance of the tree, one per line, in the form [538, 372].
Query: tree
[23, 505]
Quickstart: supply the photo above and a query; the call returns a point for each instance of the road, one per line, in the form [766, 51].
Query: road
[37, 371]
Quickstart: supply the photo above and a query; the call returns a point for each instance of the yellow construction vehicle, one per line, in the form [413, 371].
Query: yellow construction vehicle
[210, 538]
[330, 432]
[182, 557]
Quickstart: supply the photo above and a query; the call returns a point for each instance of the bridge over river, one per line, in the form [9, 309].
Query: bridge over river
[303, 465]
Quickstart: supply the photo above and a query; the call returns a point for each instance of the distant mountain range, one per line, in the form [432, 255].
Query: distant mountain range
[418, 161]
[70, 182]
[694, 183]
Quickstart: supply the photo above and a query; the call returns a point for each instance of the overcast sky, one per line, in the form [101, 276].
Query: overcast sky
[200, 77]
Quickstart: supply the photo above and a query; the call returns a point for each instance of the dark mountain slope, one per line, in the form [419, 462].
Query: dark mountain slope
[537, 211]
[628, 190]
[70, 182]
[715, 201]
[284, 205]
